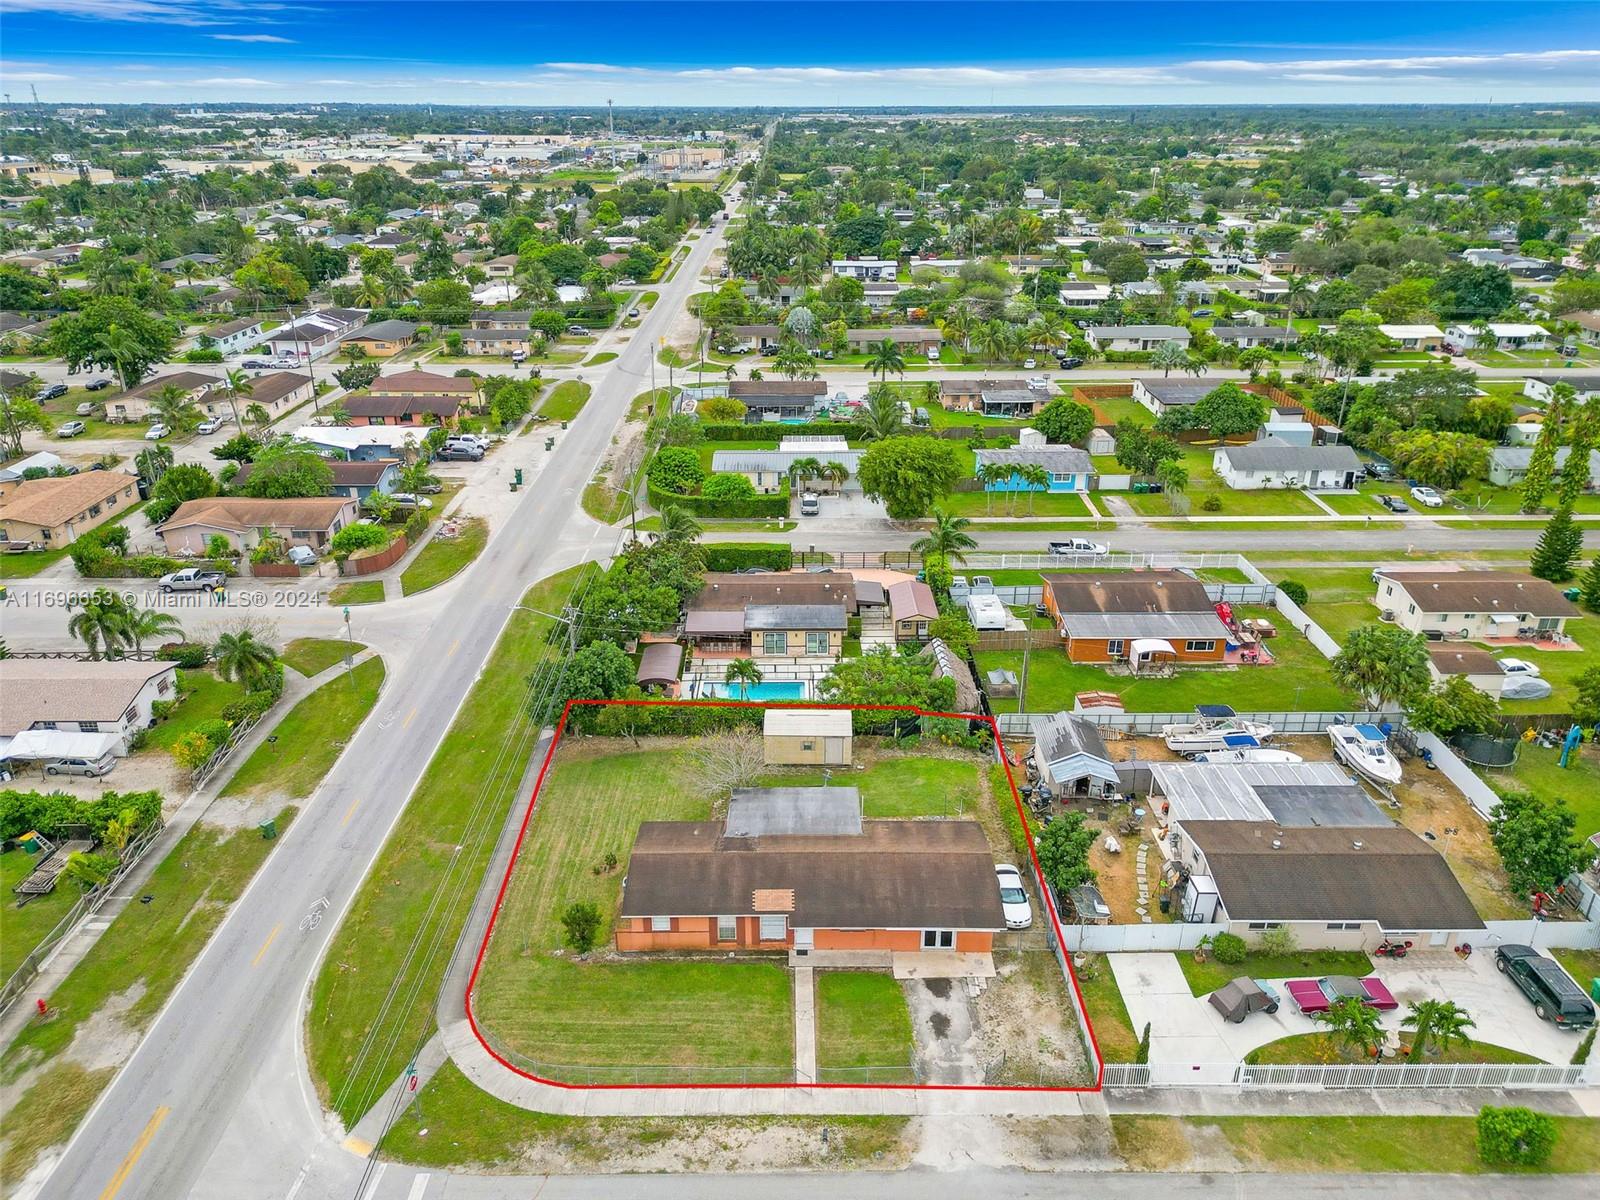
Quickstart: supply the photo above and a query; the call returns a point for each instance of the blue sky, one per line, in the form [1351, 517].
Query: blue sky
[800, 53]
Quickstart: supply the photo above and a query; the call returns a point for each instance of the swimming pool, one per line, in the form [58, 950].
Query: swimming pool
[778, 689]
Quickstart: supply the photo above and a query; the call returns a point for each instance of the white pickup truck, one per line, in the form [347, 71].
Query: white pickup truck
[192, 579]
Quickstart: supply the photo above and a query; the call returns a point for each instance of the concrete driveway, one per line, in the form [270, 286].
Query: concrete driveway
[1186, 1029]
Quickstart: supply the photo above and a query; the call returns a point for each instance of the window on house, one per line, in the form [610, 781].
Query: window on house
[808, 745]
[1343, 926]
[94, 510]
[47, 724]
[660, 924]
[1114, 647]
[775, 642]
[816, 641]
[1259, 926]
[111, 501]
[89, 726]
[938, 939]
[727, 929]
[774, 929]
[1194, 646]
[1411, 608]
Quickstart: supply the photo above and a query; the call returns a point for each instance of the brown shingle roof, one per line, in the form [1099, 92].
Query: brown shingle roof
[741, 389]
[50, 501]
[1128, 592]
[1447, 660]
[893, 875]
[359, 404]
[722, 591]
[1483, 592]
[424, 383]
[249, 512]
[269, 389]
[58, 689]
[1318, 874]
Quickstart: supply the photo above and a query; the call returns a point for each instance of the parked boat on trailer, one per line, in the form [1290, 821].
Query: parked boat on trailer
[1245, 748]
[1214, 724]
[1365, 750]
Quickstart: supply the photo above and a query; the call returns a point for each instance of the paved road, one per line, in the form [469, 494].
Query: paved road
[228, 1032]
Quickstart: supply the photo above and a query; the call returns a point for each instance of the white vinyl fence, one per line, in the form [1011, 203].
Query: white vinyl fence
[1366, 1077]
[1284, 722]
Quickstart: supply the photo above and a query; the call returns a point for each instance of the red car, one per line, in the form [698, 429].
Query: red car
[1317, 995]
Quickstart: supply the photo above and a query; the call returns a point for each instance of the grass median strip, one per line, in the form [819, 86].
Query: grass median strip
[368, 953]
[443, 558]
[310, 737]
[566, 401]
[121, 984]
[368, 591]
[312, 656]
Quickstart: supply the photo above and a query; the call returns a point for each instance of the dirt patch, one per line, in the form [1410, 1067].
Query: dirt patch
[103, 1041]
[943, 1030]
[1061, 1144]
[1152, 1143]
[245, 812]
[1026, 1030]
[1430, 804]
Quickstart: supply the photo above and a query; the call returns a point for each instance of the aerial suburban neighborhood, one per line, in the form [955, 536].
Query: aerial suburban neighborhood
[795, 622]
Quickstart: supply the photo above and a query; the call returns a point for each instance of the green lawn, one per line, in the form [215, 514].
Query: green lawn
[141, 957]
[1313, 1048]
[1116, 409]
[442, 558]
[368, 953]
[1205, 978]
[659, 1016]
[205, 694]
[898, 786]
[1298, 679]
[1536, 770]
[28, 563]
[1560, 668]
[1582, 965]
[863, 1021]
[310, 737]
[312, 656]
[602, 501]
[565, 401]
[600, 359]
[1267, 502]
[1341, 597]
[367, 591]
[23, 927]
[1315, 1145]
[1108, 1014]
[1027, 504]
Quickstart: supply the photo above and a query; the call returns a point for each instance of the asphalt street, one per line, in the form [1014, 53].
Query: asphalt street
[228, 1033]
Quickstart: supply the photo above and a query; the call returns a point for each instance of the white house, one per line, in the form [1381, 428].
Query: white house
[47, 705]
[864, 269]
[1273, 462]
[1505, 335]
[236, 336]
[1473, 605]
[1543, 387]
[1084, 295]
[1480, 668]
[1135, 338]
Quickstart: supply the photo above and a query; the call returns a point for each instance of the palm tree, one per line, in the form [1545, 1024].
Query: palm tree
[793, 361]
[1194, 365]
[1354, 1024]
[959, 323]
[677, 525]
[994, 340]
[1444, 1021]
[369, 292]
[100, 620]
[991, 475]
[744, 672]
[948, 536]
[803, 470]
[1167, 356]
[236, 383]
[884, 357]
[120, 829]
[396, 284]
[414, 477]
[175, 408]
[241, 658]
[1294, 299]
[1037, 479]
[835, 473]
[257, 415]
[881, 416]
[122, 348]
[150, 623]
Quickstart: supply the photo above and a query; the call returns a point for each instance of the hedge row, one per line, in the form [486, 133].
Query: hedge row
[151, 566]
[768, 431]
[736, 556]
[50, 813]
[700, 506]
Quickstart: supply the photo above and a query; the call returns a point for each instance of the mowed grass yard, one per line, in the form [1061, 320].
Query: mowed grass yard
[862, 1022]
[443, 558]
[312, 656]
[657, 1019]
[204, 695]
[565, 401]
[897, 785]
[22, 928]
[1297, 679]
[1538, 770]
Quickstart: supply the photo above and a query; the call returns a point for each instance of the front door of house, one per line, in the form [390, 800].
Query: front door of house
[803, 940]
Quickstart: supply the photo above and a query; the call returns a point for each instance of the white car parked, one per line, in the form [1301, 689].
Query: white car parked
[156, 432]
[1013, 897]
[209, 425]
[1427, 497]
[1519, 666]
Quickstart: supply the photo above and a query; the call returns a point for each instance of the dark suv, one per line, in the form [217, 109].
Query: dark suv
[1554, 996]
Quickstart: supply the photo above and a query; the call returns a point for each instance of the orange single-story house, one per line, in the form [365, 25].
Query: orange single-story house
[364, 408]
[1101, 615]
[425, 383]
[385, 338]
[798, 869]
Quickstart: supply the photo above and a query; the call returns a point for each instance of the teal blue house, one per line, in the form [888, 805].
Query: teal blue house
[1069, 468]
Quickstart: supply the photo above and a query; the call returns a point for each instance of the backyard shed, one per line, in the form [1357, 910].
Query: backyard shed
[806, 737]
[660, 666]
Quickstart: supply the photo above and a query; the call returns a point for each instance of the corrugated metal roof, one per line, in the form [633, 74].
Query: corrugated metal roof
[1227, 791]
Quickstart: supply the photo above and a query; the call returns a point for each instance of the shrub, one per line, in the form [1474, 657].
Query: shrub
[728, 487]
[1212, 503]
[360, 537]
[1228, 948]
[160, 710]
[1295, 590]
[1011, 817]
[581, 920]
[188, 655]
[751, 507]
[676, 469]
[1279, 942]
[192, 750]
[50, 812]
[1515, 1137]
[203, 356]
[216, 730]
[1581, 1054]
[248, 707]
[735, 556]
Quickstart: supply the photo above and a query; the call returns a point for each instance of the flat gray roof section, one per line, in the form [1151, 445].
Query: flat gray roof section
[1228, 791]
[1334, 806]
[813, 811]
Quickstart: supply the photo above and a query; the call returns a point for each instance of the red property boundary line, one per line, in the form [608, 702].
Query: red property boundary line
[1049, 904]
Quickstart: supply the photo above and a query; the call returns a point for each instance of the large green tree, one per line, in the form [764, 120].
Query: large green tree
[112, 333]
[1559, 552]
[286, 470]
[1383, 664]
[1537, 841]
[1064, 421]
[909, 474]
[1227, 410]
[883, 677]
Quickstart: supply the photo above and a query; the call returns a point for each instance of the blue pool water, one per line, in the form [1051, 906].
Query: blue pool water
[781, 689]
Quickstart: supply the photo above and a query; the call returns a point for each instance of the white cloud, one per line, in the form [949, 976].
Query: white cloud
[252, 37]
[35, 77]
[158, 12]
[235, 81]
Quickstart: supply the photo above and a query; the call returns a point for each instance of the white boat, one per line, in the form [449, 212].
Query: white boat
[1365, 750]
[1243, 748]
[1214, 725]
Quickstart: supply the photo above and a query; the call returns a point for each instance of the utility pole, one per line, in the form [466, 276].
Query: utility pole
[350, 650]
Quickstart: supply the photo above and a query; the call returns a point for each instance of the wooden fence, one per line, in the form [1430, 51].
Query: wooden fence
[373, 563]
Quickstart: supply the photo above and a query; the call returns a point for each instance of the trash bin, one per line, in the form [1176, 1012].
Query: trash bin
[1166, 903]
[269, 829]
[519, 476]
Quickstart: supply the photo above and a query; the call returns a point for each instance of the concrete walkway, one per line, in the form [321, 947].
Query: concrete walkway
[805, 1025]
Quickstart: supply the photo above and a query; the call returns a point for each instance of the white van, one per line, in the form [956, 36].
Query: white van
[810, 504]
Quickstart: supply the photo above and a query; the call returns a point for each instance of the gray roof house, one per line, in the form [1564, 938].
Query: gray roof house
[1132, 338]
[1508, 465]
[1255, 335]
[1274, 462]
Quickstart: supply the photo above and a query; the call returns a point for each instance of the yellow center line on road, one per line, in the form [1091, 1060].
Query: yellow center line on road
[261, 953]
[139, 1147]
[410, 716]
[351, 811]
[454, 646]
